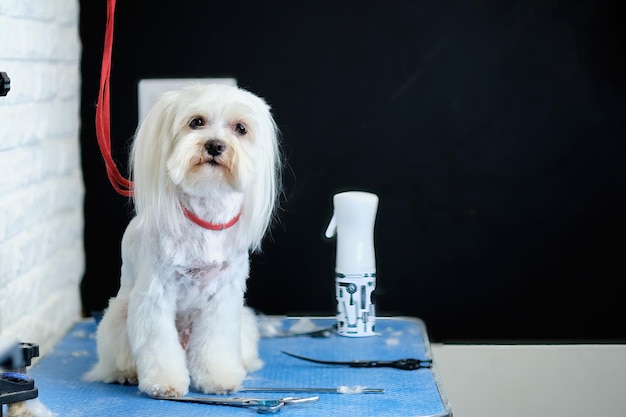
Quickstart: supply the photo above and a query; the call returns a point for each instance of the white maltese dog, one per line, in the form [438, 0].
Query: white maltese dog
[206, 170]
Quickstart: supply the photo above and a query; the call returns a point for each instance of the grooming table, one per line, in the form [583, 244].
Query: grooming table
[58, 376]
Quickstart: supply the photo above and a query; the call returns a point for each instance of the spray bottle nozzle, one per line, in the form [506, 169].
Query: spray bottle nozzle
[331, 230]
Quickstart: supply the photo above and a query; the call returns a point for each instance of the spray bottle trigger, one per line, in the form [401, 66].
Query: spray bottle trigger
[332, 227]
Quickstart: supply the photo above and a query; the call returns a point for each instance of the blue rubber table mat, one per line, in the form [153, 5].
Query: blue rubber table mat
[58, 376]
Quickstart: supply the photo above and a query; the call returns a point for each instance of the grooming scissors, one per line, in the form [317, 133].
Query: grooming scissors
[262, 405]
[409, 364]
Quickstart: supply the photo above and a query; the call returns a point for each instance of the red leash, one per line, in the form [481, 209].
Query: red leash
[103, 116]
[103, 127]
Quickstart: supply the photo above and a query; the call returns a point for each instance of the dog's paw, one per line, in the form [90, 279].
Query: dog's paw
[110, 374]
[172, 386]
[220, 379]
[129, 378]
[159, 391]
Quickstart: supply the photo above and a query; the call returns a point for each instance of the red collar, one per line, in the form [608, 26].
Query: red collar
[208, 225]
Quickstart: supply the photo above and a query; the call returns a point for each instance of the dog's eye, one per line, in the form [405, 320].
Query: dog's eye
[196, 123]
[240, 129]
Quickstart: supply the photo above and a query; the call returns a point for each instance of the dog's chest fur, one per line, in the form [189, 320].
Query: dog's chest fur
[199, 262]
[197, 266]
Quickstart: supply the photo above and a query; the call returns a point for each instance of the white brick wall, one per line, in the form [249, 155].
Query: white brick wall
[41, 186]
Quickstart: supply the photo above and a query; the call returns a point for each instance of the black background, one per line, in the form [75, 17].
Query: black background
[492, 131]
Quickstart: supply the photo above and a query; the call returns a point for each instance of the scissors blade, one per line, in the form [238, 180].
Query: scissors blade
[338, 390]
[404, 364]
[318, 360]
[300, 400]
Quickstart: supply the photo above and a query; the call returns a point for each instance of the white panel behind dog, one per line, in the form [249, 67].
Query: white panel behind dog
[149, 90]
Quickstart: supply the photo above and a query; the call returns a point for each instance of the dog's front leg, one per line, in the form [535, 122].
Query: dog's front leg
[161, 363]
[214, 351]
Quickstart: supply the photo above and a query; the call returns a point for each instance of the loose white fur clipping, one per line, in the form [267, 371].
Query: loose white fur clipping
[304, 325]
[30, 408]
[269, 326]
[273, 326]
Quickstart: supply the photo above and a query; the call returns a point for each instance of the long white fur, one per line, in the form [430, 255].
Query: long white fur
[179, 317]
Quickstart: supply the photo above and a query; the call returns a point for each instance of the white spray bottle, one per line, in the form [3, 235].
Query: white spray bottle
[355, 264]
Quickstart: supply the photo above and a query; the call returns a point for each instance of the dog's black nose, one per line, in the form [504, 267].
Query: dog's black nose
[215, 147]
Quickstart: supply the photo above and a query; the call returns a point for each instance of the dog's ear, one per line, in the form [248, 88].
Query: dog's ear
[152, 190]
[261, 203]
